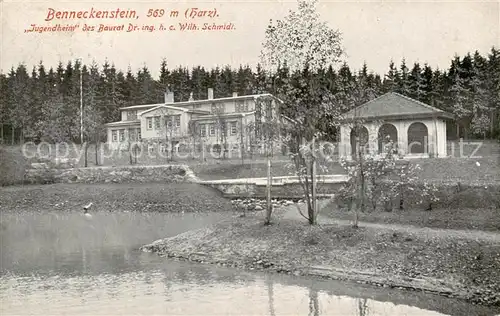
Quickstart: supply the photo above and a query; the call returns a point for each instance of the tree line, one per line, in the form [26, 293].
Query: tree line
[44, 104]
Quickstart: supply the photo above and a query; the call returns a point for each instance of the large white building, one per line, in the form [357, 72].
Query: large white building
[221, 122]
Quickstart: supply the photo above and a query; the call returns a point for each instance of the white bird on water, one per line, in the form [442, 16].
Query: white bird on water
[86, 210]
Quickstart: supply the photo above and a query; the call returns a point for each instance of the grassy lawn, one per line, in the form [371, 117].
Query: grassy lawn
[455, 168]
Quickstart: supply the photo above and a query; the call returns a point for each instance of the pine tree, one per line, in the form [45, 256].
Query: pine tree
[331, 77]
[112, 96]
[131, 90]
[20, 86]
[35, 96]
[416, 83]
[93, 111]
[180, 84]
[346, 85]
[391, 79]
[260, 80]
[364, 87]
[146, 87]
[215, 82]
[4, 96]
[493, 89]
[459, 95]
[227, 83]
[53, 122]
[198, 83]
[479, 97]
[244, 80]
[403, 84]
[70, 89]
[163, 81]
[427, 85]
[437, 95]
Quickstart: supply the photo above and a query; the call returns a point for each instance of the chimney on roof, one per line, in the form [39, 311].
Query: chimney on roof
[191, 97]
[169, 96]
[235, 94]
[210, 93]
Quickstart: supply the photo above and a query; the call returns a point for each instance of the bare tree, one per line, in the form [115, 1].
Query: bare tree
[268, 134]
[305, 45]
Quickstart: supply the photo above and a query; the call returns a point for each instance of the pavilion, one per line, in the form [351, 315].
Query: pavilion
[418, 130]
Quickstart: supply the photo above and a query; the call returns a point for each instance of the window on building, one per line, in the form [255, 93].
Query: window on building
[132, 115]
[114, 135]
[212, 129]
[131, 134]
[203, 130]
[269, 110]
[233, 128]
[149, 122]
[168, 121]
[240, 106]
[177, 121]
[157, 122]
[138, 133]
[122, 135]
[217, 108]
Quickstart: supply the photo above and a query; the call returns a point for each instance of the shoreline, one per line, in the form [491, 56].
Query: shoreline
[245, 243]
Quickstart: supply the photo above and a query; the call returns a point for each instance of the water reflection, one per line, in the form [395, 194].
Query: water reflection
[59, 264]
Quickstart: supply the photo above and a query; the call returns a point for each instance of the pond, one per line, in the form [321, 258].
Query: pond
[66, 264]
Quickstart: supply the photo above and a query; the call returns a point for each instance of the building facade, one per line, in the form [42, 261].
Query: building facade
[230, 122]
[418, 130]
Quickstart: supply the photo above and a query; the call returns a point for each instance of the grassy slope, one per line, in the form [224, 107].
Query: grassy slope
[114, 197]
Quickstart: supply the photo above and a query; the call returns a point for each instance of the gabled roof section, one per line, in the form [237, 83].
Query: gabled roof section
[174, 108]
[141, 106]
[123, 123]
[187, 103]
[395, 105]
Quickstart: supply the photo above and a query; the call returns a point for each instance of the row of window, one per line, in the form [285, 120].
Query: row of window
[232, 128]
[131, 115]
[155, 121]
[118, 135]
[241, 106]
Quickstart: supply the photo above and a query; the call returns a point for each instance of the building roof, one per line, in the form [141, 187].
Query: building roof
[141, 106]
[223, 115]
[175, 108]
[397, 106]
[123, 123]
[187, 103]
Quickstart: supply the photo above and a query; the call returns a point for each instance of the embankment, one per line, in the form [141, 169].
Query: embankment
[458, 267]
[122, 174]
[113, 197]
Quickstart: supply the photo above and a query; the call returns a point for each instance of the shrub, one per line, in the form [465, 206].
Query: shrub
[13, 166]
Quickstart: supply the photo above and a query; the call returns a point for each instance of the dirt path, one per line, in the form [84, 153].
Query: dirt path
[291, 212]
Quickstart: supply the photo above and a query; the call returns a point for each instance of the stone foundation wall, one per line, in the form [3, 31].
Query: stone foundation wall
[163, 173]
[285, 190]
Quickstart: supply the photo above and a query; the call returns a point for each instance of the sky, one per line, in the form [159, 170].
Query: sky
[374, 32]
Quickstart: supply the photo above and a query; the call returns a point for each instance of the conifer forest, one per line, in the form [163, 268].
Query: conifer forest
[39, 103]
